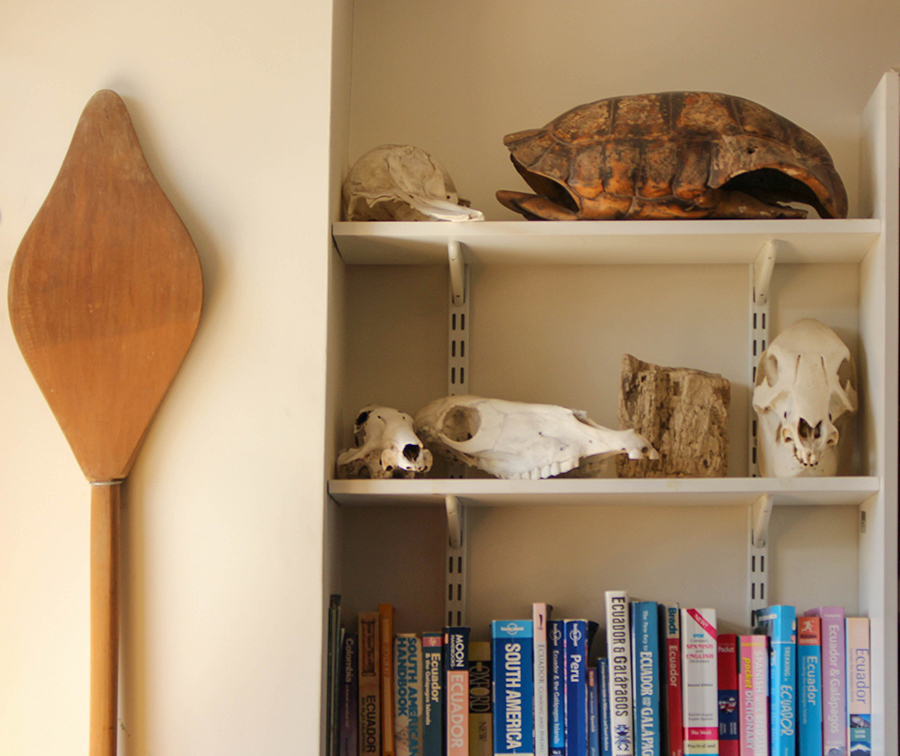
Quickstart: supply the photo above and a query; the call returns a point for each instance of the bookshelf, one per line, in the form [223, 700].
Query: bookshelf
[552, 307]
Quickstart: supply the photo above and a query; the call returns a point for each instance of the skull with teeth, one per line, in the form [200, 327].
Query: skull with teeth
[516, 440]
[805, 390]
[387, 447]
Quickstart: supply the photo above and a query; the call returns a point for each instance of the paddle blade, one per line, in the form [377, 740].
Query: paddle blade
[105, 292]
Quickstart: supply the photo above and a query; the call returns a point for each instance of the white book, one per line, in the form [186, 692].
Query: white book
[700, 682]
[541, 617]
[618, 645]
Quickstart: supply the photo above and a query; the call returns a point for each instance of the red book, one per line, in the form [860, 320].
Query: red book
[672, 667]
[729, 735]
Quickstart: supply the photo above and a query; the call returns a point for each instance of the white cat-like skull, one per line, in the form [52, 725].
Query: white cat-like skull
[805, 390]
[520, 440]
[399, 182]
[387, 447]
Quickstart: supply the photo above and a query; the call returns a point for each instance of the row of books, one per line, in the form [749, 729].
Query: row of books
[668, 684]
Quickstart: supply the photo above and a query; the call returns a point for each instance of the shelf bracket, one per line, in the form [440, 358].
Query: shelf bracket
[758, 554]
[457, 567]
[762, 270]
[456, 258]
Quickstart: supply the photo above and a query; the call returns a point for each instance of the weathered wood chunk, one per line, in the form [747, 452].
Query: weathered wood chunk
[682, 412]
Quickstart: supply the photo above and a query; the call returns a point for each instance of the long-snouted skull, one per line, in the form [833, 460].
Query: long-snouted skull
[387, 447]
[520, 440]
[805, 390]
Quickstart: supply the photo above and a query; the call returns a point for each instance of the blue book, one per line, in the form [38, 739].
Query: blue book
[407, 694]
[779, 623]
[512, 659]
[593, 713]
[809, 686]
[557, 699]
[603, 706]
[647, 678]
[433, 694]
[575, 643]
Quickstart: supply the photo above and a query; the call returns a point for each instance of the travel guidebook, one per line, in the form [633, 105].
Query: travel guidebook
[645, 651]
[456, 690]
[834, 679]
[513, 671]
[809, 686]
[779, 623]
[433, 693]
[618, 649]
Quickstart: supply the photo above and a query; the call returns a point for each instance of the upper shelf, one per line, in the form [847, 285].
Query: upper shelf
[607, 491]
[606, 242]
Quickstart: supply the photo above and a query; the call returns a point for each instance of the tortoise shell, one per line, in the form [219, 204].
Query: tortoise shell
[672, 155]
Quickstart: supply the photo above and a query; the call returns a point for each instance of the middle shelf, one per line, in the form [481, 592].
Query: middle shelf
[677, 492]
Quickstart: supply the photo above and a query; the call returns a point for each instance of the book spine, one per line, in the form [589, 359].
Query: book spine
[647, 680]
[369, 685]
[809, 686]
[481, 741]
[407, 695]
[513, 667]
[433, 694]
[753, 694]
[859, 686]
[618, 644]
[576, 686]
[729, 736]
[540, 617]
[386, 631]
[557, 698]
[348, 714]
[834, 679]
[592, 713]
[674, 716]
[779, 623]
[603, 706]
[700, 681]
[333, 672]
[456, 664]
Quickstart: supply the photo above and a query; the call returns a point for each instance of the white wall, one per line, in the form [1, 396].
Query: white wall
[222, 526]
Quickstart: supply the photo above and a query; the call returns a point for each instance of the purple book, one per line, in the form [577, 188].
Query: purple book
[834, 679]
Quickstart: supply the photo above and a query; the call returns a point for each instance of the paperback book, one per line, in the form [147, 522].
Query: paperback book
[408, 704]
[809, 686]
[603, 706]
[729, 737]
[779, 624]
[647, 679]
[618, 645]
[556, 701]
[593, 722]
[700, 698]
[348, 706]
[433, 693]
[481, 741]
[671, 621]
[575, 656]
[753, 692]
[834, 679]
[369, 685]
[386, 636]
[540, 617]
[456, 666]
[859, 686]
[513, 669]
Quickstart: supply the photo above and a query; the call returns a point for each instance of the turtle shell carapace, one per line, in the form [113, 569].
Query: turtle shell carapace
[672, 155]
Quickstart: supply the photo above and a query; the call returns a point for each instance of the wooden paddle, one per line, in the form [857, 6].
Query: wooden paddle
[104, 298]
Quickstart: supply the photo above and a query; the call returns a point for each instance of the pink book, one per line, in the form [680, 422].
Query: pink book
[726, 655]
[834, 679]
[753, 695]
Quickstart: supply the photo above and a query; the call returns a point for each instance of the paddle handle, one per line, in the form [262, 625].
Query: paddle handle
[104, 618]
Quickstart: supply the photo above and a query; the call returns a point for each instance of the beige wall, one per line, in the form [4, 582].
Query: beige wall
[223, 516]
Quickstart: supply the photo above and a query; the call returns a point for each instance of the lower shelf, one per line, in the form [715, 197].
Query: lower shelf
[606, 491]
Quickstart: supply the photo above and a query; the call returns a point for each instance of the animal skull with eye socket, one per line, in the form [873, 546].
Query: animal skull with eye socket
[805, 390]
[517, 440]
[387, 447]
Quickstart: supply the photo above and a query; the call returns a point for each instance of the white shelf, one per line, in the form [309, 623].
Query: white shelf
[606, 491]
[606, 242]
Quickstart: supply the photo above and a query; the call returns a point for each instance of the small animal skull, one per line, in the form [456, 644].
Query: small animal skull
[387, 447]
[402, 183]
[805, 390]
[520, 440]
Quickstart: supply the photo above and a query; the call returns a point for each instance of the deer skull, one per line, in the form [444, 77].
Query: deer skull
[805, 389]
[387, 447]
[519, 440]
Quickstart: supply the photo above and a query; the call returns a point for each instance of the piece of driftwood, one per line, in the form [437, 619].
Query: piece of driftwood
[682, 412]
